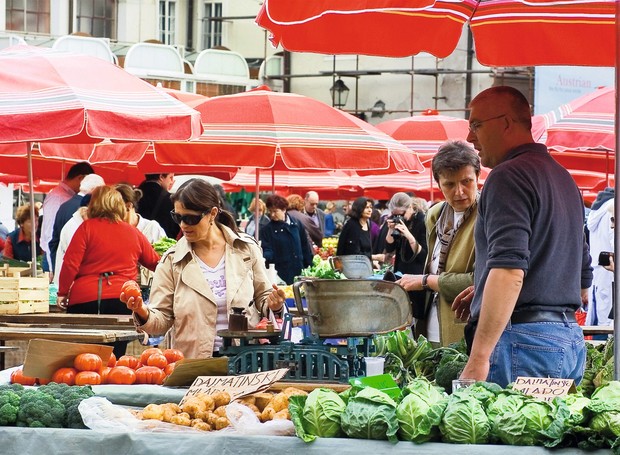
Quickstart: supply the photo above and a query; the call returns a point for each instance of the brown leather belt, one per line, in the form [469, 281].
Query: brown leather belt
[523, 317]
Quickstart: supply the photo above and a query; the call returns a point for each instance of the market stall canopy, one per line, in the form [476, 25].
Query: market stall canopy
[506, 32]
[265, 129]
[49, 95]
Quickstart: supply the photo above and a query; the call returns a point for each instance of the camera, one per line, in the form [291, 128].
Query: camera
[396, 219]
[603, 258]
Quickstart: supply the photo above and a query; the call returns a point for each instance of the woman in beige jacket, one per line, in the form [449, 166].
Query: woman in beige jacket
[209, 271]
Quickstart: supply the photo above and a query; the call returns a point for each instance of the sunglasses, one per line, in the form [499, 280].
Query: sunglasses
[190, 220]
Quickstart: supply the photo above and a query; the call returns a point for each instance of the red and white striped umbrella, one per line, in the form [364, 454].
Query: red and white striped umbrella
[506, 32]
[265, 130]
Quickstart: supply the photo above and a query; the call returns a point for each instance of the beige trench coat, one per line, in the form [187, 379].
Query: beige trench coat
[182, 299]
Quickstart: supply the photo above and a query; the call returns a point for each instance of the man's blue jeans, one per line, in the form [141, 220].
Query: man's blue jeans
[539, 349]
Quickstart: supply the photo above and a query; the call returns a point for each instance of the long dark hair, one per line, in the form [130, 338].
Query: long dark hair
[201, 196]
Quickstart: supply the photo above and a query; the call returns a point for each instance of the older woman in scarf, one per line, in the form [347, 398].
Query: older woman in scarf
[450, 224]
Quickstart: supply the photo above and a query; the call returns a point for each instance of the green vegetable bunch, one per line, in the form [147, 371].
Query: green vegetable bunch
[163, 244]
[321, 268]
[70, 397]
[317, 414]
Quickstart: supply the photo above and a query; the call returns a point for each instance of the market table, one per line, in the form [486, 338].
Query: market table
[597, 329]
[52, 440]
[61, 319]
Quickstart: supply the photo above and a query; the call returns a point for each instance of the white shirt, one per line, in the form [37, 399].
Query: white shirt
[216, 277]
[51, 204]
[151, 229]
[66, 234]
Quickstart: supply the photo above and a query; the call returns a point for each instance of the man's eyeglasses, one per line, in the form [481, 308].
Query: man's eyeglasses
[473, 126]
[190, 220]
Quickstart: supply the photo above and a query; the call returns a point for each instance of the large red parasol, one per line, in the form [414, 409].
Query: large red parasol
[265, 129]
[506, 32]
[53, 96]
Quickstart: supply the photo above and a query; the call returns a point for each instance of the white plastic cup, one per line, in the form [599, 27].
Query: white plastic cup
[374, 365]
[462, 383]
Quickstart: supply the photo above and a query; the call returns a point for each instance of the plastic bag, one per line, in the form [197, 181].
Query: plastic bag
[244, 421]
[101, 415]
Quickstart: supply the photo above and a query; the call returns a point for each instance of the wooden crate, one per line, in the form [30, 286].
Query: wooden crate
[21, 293]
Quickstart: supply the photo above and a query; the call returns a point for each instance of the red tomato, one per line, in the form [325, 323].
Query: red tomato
[87, 378]
[112, 360]
[42, 381]
[128, 361]
[157, 360]
[147, 353]
[169, 368]
[17, 377]
[121, 375]
[87, 362]
[173, 355]
[130, 289]
[104, 374]
[150, 375]
[65, 376]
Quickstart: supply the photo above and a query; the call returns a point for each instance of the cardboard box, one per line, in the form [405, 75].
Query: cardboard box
[43, 357]
[21, 293]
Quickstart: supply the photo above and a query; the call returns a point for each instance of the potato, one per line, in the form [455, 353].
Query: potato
[169, 413]
[220, 411]
[211, 418]
[291, 391]
[221, 422]
[200, 425]
[173, 406]
[262, 399]
[153, 411]
[221, 399]
[267, 414]
[279, 402]
[208, 400]
[181, 419]
[282, 415]
[194, 405]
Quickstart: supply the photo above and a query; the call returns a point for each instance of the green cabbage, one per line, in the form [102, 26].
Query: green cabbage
[464, 421]
[606, 398]
[535, 422]
[317, 414]
[577, 405]
[370, 414]
[607, 423]
[419, 413]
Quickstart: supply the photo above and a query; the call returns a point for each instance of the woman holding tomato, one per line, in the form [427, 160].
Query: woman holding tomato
[103, 254]
[211, 269]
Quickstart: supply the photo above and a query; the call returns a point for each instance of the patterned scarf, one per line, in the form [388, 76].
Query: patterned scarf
[446, 231]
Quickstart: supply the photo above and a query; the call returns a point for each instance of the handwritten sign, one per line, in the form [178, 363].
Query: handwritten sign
[236, 386]
[545, 389]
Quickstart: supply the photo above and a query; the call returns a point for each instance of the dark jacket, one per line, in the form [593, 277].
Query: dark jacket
[285, 244]
[354, 240]
[22, 250]
[312, 230]
[155, 204]
[64, 214]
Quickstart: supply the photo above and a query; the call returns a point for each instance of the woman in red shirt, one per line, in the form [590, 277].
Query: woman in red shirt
[104, 253]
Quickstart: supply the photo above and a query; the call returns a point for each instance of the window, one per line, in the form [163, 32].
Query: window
[212, 29]
[167, 21]
[28, 15]
[96, 17]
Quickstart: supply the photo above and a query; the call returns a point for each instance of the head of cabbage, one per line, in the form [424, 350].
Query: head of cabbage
[317, 415]
[370, 414]
[420, 411]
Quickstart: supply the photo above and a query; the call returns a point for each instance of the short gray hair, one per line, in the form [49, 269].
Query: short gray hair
[400, 201]
[453, 156]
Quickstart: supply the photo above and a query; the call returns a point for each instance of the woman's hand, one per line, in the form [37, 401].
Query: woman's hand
[276, 299]
[411, 282]
[462, 303]
[62, 302]
[136, 305]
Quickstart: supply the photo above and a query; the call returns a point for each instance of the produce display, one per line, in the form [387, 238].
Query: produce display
[328, 247]
[208, 412]
[163, 244]
[52, 405]
[321, 268]
[152, 367]
[483, 413]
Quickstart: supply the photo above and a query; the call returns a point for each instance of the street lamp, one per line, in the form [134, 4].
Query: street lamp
[340, 93]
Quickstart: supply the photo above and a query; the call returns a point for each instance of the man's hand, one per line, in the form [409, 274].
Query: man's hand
[462, 303]
[478, 370]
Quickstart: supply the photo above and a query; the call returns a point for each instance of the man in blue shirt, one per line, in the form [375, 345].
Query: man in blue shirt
[532, 262]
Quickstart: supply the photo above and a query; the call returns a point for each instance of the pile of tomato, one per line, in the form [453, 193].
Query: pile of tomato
[152, 367]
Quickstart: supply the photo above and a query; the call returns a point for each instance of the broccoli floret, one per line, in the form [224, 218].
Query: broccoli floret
[450, 367]
[17, 388]
[9, 405]
[70, 397]
[38, 409]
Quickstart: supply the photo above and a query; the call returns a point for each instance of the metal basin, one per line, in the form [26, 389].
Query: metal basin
[352, 265]
[347, 308]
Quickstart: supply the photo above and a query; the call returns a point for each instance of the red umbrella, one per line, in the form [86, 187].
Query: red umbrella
[544, 30]
[53, 96]
[586, 123]
[265, 129]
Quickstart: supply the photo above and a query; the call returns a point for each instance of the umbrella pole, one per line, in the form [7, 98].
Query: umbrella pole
[33, 240]
[616, 285]
[257, 206]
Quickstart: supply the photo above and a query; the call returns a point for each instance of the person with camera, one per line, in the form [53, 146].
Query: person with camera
[450, 224]
[406, 238]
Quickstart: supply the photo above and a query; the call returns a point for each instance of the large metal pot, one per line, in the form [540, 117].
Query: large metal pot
[352, 265]
[348, 308]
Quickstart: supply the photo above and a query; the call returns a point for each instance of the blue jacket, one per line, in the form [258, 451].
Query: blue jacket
[285, 244]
